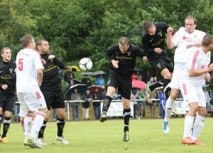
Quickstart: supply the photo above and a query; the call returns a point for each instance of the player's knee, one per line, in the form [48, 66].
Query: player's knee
[193, 109]
[202, 112]
[166, 74]
[61, 115]
[8, 114]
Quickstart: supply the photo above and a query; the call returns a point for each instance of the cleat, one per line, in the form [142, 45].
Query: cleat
[166, 127]
[62, 140]
[26, 142]
[4, 140]
[197, 142]
[42, 142]
[156, 85]
[126, 136]
[187, 140]
[1, 139]
[34, 143]
[103, 117]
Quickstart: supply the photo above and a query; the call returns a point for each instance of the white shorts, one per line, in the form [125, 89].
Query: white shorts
[177, 76]
[30, 101]
[192, 93]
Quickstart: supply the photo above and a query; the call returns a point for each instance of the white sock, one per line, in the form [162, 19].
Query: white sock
[198, 126]
[168, 109]
[188, 124]
[37, 123]
[27, 125]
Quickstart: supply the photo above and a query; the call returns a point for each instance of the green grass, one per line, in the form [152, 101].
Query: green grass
[95, 137]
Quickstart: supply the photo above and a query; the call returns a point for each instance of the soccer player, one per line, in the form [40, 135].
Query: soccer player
[185, 37]
[197, 73]
[122, 57]
[52, 89]
[29, 74]
[154, 46]
[7, 91]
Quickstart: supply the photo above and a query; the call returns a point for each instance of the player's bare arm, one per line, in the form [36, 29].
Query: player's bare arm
[158, 50]
[115, 63]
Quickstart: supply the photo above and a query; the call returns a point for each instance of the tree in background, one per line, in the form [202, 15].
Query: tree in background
[79, 28]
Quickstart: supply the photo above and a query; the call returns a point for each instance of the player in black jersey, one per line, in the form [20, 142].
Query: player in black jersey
[52, 88]
[154, 46]
[123, 57]
[7, 91]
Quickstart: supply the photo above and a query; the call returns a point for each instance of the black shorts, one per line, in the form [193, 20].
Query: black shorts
[122, 82]
[7, 101]
[54, 99]
[162, 63]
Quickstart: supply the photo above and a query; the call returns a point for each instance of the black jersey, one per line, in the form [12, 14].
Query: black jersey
[127, 61]
[51, 78]
[155, 41]
[8, 76]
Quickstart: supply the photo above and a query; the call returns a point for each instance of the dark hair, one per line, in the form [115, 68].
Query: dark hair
[207, 40]
[39, 43]
[147, 25]
[26, 40]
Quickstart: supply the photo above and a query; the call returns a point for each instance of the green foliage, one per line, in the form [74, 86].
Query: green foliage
[15, 21]
[80, 28]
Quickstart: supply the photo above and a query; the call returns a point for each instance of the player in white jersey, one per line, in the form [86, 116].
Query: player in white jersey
[184, 38]
[197, 68]
[29, 73]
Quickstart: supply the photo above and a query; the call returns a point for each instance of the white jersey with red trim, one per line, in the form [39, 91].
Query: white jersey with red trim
[197, 60]
[181, 39]
[28, 61]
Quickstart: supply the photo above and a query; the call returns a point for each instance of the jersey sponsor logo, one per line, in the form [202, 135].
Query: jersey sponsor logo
[11, 70]
[159, 66]
[38, 95]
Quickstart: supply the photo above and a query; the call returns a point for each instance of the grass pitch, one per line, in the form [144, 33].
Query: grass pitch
[94, 137]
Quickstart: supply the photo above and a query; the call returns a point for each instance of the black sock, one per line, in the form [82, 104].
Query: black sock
[60, 125]
[41, 132]
[1, 119]
[126, 116]
[157, 84]
[167, 91]
[106, 103]
[165, 82]
[6, 126]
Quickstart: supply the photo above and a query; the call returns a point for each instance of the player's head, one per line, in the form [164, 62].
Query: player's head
[28, 41]
[149, 28]
[123, 43]
[190, 24]
[207, 42]
[6, 54]
[42, 46]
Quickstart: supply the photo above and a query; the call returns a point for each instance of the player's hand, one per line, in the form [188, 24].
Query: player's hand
[170, 31]
[207, 77]
[115, 63]
[210, 68]
[51, 57]
[4, 86]
[43, 61]
[158, 50]
[145, 59]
